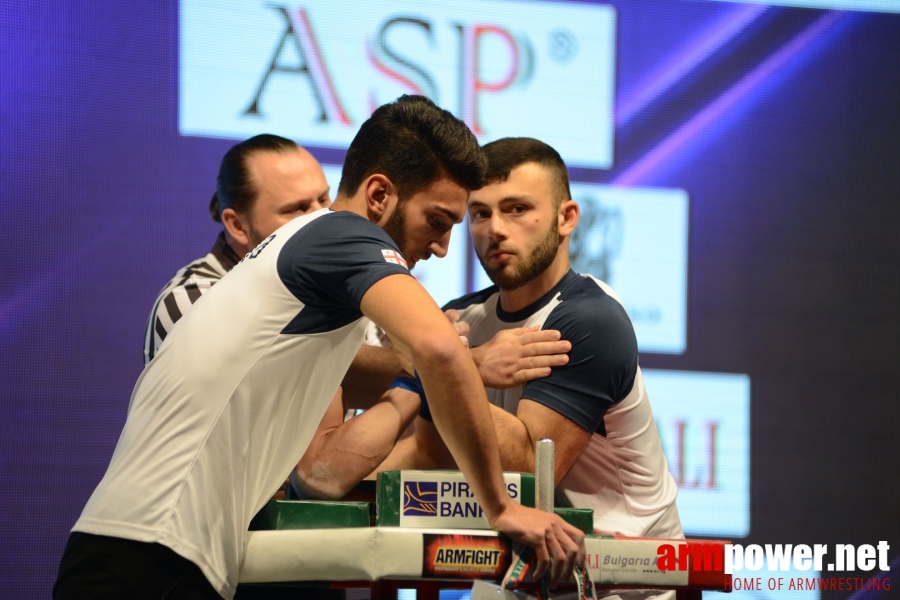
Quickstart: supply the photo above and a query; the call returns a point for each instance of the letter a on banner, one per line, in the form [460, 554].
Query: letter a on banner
[312, 65]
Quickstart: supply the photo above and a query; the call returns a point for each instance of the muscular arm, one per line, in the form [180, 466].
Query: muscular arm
[423, 450]
[342, 453]
[450, 379]
[372, 371]
[461, 414]
[517, 434]
[516, 437]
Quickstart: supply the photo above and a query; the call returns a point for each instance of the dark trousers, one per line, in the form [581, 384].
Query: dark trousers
[96, 566]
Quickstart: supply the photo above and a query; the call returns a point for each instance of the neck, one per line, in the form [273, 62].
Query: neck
[519, 298]
[354, 205]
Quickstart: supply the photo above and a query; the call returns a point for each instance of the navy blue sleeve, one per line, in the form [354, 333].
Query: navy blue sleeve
[332, 262]
[470, 299]
[602, 363]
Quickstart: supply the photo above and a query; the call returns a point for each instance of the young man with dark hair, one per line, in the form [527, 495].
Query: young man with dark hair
[235, 395]
[608, 452]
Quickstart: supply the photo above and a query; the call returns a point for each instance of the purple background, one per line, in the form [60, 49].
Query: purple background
[785, 133]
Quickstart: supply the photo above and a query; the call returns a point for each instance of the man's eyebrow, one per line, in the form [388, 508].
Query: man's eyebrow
[452, 215]
[506, 200]
[520, 198]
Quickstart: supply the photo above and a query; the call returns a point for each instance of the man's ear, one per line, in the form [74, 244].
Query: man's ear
[236, 226]
[568, 215]
[380, 195]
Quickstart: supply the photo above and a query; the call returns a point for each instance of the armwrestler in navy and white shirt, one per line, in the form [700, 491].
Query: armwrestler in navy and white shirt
[237, 391]
[608, 452]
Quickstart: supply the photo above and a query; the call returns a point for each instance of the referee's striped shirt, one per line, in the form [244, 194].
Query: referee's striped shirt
[177, 297]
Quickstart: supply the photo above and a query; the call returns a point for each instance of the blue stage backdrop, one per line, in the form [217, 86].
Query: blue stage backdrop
[737, 165]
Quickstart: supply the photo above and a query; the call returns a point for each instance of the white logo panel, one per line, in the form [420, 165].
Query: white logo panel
[314, 71]
[704, 424]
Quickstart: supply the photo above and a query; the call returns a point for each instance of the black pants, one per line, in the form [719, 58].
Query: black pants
[96, 566]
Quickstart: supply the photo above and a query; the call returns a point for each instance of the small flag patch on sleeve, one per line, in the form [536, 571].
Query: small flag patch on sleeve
[392, 256]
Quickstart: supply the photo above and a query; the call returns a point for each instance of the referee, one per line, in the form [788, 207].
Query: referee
[263, 183]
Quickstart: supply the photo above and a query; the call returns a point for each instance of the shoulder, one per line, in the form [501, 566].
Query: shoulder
[331, 239]
[334, 257]
[589, 315]
[471, 299]
[341, 226]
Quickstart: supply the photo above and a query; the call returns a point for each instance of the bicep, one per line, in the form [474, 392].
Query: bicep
[570, 438]
[408, 315]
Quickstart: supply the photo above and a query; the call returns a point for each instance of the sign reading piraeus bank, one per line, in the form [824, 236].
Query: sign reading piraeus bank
[315, 70]
[442, 499]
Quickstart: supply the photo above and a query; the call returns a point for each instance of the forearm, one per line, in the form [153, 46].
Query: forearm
[423, 450]
[354, 449]
[462, 417]
[458, 402]
[371, 372]
[514, 440]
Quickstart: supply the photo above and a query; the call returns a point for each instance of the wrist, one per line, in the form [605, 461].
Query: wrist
[500, 508]
[406, 403]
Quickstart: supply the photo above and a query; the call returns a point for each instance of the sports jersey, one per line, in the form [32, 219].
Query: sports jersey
[622, 473]
[237, 390]
[177, 297]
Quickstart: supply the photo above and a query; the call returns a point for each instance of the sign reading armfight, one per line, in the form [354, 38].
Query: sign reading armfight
[315, 70]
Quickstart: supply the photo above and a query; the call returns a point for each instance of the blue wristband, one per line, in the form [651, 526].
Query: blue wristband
[408, 383]
[415, 386]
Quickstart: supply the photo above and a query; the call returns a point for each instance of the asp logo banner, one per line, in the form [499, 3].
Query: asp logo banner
[314, 70]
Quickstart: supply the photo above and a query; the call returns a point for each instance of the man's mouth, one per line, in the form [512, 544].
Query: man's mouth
[416, 258]
[500, 254]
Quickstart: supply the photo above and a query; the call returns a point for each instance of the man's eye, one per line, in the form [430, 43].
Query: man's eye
[517, 209]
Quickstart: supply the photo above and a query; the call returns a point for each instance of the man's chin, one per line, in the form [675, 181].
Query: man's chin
[502, 278]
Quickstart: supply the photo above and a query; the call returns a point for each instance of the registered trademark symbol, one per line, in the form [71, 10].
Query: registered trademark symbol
[563, 45]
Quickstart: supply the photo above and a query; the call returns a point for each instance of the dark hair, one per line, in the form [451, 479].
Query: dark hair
[233, 186]
[413, 142]
[506, 154]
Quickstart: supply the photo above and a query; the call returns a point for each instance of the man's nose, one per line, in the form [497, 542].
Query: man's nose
[497, 227]
[439, 247]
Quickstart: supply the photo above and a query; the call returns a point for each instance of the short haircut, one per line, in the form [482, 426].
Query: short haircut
[506, 154]
[234, 189]
[413, 143]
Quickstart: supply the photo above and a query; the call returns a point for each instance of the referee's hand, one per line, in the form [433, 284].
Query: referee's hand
[556, 544]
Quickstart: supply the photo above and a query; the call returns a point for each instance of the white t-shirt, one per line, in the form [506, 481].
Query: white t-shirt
[231, 401]
[622, 473]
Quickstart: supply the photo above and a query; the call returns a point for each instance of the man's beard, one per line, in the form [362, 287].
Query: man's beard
[395, 226]
[511, 278]
[253, 235]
